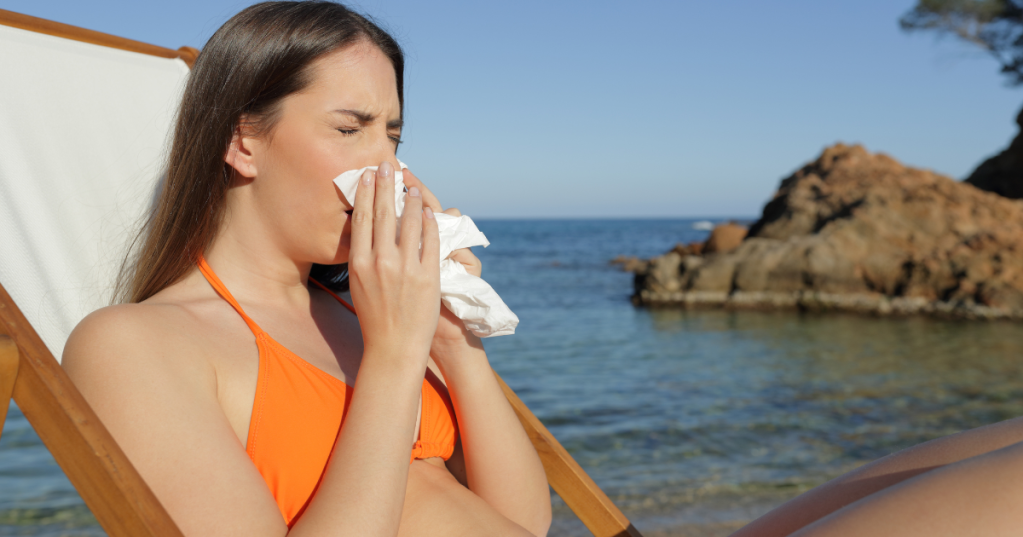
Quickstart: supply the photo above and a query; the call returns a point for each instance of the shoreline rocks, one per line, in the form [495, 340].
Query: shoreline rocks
[855, 231]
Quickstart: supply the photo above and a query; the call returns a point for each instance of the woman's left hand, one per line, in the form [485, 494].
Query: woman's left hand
[451, 332]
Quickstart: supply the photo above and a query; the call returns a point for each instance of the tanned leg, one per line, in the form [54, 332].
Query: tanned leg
[978, 496]
[884, 473]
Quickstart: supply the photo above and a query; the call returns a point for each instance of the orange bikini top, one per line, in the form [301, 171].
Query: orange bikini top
[299, 410]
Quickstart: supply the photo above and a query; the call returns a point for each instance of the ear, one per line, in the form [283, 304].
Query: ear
[240, 154]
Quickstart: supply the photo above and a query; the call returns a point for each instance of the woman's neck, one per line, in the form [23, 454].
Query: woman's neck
[258, 268]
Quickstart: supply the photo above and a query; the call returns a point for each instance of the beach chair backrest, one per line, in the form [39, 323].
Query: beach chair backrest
[85, 121]
[83, 130]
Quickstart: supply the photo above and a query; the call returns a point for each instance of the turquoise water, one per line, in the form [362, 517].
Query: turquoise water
[692, 421]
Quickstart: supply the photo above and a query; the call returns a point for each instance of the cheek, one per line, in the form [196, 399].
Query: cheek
[309, 210]
[320, 213]
[308, 217]
[306, 186]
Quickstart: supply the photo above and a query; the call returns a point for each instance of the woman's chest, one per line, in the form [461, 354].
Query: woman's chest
[319, 360]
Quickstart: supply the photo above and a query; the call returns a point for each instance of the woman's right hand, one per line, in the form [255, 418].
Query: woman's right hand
[395, 288]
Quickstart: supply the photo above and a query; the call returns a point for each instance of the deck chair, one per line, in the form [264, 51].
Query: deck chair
[84, 119]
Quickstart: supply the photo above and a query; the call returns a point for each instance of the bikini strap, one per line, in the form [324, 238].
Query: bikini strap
[221, 290]
[333, 294]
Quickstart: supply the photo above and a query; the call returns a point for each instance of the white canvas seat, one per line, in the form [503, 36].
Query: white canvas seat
[83, 133]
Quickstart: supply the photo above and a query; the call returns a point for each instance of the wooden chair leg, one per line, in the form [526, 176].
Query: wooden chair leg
[600, 515]
[9, 359]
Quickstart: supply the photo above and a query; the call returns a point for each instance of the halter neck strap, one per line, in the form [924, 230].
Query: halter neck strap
[221, 290]
[333, 294]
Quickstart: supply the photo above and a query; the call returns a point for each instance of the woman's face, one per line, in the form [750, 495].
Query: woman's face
[347, 118]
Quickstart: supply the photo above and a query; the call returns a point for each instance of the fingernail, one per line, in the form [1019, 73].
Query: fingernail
[367, 177]
[385, 170]
[428, 212]
[414, 192]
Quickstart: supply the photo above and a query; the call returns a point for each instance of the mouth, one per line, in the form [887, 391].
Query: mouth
[349, 212]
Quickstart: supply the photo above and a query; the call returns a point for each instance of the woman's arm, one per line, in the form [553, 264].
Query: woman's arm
[501, 465]
[396, 293]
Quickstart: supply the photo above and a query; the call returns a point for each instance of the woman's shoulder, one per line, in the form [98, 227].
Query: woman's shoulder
[123, 338]
[122, 327]
[164, 331]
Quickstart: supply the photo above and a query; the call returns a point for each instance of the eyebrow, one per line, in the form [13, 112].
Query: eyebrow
[366, 117]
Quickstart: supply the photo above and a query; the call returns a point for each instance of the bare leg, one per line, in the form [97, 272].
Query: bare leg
[977, 496]
[882, 474]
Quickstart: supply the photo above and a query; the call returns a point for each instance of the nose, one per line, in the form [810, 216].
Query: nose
[384, 151]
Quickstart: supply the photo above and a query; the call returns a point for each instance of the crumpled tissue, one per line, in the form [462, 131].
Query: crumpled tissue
[470, 298]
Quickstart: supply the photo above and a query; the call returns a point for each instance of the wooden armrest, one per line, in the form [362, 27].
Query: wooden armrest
[9, 358]
[600, 515]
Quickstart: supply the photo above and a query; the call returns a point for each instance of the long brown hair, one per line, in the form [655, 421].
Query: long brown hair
[251, 63]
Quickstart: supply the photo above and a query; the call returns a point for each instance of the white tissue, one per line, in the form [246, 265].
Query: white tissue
[470, 298]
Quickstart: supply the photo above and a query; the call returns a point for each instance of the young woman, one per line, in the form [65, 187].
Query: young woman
[229, 372]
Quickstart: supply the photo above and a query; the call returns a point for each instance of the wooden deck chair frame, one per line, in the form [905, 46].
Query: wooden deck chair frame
[110, 486]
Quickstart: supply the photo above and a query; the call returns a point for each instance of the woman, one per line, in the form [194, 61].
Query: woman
[248, 244]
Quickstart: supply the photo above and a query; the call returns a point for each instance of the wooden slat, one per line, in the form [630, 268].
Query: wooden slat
[8, 373]
[67, 31]
[568, 479]
[111, 487]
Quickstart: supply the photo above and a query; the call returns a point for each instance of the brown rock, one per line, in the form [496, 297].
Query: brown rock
[724, 238]
[631, 263]
[681, 249]
[663, 274]
[859, 231]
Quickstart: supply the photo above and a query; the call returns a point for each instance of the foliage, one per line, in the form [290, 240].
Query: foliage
[994, 25]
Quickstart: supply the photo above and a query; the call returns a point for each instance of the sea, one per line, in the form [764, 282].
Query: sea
[693, 422]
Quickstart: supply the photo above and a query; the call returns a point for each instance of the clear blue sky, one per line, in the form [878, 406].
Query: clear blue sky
[673, 108]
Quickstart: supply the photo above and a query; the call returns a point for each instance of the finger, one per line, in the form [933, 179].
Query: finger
[453, 212]
[431, 241]
[411, 225]
[362, 217]
[429, 199]
[384, 220]
[464, 256]
[472, 264]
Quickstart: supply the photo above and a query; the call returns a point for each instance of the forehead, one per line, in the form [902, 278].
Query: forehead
[356, 77]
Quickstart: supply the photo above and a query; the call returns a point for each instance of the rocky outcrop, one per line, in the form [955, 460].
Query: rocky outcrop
[859, 231]
[1003, 173]
[725, 238]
